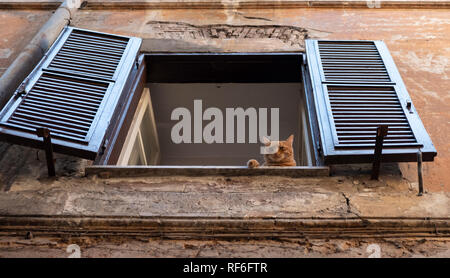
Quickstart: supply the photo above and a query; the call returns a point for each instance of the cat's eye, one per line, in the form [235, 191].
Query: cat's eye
[282, 148]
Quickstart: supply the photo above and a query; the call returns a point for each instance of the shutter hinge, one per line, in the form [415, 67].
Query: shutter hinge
[136, 62]
[20, 92]
[409, 106]
[104, 146]
[319, 147]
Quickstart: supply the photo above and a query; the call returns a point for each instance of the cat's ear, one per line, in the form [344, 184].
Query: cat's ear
[266, 141]
[290, 139]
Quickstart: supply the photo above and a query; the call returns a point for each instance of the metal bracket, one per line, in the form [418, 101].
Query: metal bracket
[137, 64]
[382, 131]
[104, 146]
[20, 92]
[45, 133]
[419, 172]
[409, 106]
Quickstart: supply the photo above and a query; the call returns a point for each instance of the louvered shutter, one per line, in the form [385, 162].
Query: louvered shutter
[356, 88]
[73, 92]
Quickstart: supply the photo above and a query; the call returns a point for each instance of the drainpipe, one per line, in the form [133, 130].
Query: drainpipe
[35, 50]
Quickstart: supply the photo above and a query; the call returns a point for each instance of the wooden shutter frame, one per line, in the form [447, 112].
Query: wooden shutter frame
[103, 117]
[325, 120]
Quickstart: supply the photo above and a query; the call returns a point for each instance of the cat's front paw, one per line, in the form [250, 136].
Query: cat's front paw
[252, 163]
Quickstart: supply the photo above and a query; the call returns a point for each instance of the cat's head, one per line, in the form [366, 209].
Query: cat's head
[279, 151]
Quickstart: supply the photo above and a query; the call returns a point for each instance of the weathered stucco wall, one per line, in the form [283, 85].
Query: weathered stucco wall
[418, 40]
[17, 28]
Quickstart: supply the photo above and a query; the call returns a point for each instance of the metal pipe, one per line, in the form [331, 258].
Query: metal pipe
[35, 50]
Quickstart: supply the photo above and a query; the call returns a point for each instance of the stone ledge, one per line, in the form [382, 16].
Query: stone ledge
[243, 4]
[226, 228]
[135, 171]
[258, 4]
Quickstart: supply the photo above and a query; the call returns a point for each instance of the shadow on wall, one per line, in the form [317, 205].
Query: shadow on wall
[19, 161]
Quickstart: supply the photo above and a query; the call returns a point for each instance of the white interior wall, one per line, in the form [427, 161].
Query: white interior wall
[167, 97]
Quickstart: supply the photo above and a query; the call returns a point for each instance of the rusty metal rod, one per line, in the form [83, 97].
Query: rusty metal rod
[381, 133]
[45, 133]
[419, 172]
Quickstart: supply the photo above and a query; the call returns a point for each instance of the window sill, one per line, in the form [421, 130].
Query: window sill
[134, 171]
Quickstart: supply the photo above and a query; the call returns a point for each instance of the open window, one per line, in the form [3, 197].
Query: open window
[103, 101]
[334, 98]
[222, 81]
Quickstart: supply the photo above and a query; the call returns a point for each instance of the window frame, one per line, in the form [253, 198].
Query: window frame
[135, 133]
[110, 167]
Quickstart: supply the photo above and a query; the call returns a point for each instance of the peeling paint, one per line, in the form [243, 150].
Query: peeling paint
[5, 53]
[431, 63]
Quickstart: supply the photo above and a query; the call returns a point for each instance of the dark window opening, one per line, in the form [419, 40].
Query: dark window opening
[229, 80]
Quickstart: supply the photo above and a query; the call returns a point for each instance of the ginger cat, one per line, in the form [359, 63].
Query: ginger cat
[283, 156]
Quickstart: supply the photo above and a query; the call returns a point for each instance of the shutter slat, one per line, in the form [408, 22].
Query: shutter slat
[96, 50]
[31, 109]
[62, 122]
[346, 60]
[371, 132]
[371, 124]
[373, 128]
[87, 56]
[367, 117]
[99, 37]
[339, 66]
[55, 127]
[101, 73]
[366, 113]
[31, 127]
[95, 42]
[90, 54]
[45, 92]
[86, 85]
[40, 93]
[70, 91]
[95, 47]
[86, 62]
[357, 95]
[60, 107]
[363, 105]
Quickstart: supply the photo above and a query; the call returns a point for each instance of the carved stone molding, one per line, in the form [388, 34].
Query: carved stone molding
[291, 35]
